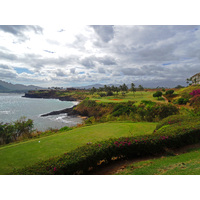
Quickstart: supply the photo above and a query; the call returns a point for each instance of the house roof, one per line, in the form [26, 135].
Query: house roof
[195, 75]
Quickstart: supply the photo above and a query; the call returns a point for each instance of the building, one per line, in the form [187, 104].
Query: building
[195, 79]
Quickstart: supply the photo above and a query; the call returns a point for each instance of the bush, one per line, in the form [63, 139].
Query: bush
[195, 92]
[102, 94]
[82, 159]
[121, 109]
[182, 101]
[156, 112]
[10, 132]
[195, 102]
[109, 93]
[157, 94]
[65, 128]
[175, 119]
[169, 92]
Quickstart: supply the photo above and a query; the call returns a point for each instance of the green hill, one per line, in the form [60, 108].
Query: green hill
[27, 153]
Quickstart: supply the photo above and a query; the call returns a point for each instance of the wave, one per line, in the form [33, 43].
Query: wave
[5, 112]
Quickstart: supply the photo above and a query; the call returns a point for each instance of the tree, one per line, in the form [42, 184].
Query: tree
[125, 87]
[188, 80]
[133, 89]
[157, 94]
[140, 88]
[169, 92]
[93, 90]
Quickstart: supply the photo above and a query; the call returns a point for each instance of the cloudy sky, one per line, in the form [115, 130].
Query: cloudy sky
[82, 55]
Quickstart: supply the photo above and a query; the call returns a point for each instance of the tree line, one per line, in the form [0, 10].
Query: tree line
[110, 89]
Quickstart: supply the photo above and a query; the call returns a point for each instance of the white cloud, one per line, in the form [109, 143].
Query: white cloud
[75, 55]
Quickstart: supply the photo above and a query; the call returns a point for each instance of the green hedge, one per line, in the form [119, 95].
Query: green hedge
[80, 160]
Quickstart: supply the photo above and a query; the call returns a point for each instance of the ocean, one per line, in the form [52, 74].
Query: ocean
[14, 106]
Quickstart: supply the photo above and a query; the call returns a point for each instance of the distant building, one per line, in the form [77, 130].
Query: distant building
[195, 79]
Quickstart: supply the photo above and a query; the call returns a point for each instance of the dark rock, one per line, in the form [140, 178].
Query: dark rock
[69, 111]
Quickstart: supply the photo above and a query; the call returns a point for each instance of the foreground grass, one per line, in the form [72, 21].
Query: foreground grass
[183, 164]
[27, 153]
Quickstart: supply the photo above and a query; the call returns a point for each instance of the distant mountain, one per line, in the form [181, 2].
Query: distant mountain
[9, 87]
[96, 86]
[91, 86]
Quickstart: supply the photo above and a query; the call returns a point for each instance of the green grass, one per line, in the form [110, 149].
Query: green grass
[183, 164]
[137, 96]
[26, 153]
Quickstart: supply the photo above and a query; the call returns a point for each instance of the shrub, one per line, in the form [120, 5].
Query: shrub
[176, 119]
[195, 102]
[156, 112]
[65, 128]
[121, 109]
[182, 101]
[157, 94]
[195, 92]
[10, 132]
[169, 92]
[109, 93]
[102, 94]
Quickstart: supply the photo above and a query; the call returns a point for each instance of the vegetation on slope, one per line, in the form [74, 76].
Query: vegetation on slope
[27, 153]
[80, 160]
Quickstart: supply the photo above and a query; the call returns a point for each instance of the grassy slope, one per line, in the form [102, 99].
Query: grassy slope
[137, 96]
[183, 164]
[29, 152]
[188, 89]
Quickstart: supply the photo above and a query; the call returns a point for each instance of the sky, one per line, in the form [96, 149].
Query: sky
[78, 55]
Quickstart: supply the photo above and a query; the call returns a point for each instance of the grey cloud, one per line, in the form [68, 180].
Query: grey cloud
[132, 71]
[7, 56]
[18, 29]
[60, 72]
[49, 51]
[4, 66]
[7, 73]
[88, 62]
[72, 70]
[101, 70]
[105, 32]
[106, 60]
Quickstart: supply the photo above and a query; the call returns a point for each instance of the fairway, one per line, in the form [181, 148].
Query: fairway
[29, 152]
[136, 96]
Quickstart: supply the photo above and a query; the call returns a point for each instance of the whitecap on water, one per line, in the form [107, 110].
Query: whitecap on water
[5, 112]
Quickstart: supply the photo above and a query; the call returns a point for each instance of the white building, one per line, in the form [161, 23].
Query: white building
[195, 79]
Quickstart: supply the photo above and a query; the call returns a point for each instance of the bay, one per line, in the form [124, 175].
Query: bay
[14, 106]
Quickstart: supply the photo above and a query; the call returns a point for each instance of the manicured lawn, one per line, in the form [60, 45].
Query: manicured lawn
[137, 96]
[26, 153]
[183, 164]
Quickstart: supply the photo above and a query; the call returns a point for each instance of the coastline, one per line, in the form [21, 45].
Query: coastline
[69, 111]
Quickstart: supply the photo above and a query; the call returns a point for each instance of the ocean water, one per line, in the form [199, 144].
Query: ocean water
[14, 106]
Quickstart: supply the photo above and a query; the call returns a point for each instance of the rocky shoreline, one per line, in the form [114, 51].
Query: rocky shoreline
[49, 96]
[69, 111]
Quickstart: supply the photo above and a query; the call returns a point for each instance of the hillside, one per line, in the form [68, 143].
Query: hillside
[32, 151]
[9, 87]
